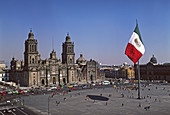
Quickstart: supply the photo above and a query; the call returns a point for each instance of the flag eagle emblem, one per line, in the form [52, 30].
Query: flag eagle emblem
[137, 43]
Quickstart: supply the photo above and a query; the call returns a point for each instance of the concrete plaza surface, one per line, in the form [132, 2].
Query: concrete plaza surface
[121, 102]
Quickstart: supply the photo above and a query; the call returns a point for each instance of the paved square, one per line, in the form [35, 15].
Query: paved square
[76, 102]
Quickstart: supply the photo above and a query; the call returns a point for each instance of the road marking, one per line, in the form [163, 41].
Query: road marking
[13, 113]
[1, 113]
[22, 111]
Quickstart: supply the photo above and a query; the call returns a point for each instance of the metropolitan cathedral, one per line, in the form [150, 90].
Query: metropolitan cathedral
[34, 71]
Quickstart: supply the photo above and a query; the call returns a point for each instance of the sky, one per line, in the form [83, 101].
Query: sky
[100, 29]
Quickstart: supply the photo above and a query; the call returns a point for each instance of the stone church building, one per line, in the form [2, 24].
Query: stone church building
[34, 71]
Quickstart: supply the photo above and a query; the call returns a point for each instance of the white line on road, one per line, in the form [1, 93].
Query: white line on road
[13, 113]
[1, 113]
[22, 111]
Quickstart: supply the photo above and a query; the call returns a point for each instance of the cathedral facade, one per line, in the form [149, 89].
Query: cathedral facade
[34, 71]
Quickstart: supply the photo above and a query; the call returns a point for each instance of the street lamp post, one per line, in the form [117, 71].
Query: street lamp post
[59, 76]
[48, 105]
[23, 101]
[46, 77]
[19, 101]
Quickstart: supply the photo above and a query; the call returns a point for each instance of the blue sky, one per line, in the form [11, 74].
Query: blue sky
[100, 29]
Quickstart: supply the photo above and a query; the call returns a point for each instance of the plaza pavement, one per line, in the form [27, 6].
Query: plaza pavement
[76, 102]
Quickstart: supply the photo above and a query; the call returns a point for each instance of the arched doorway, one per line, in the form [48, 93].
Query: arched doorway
[64, 80]
[34, 82]
[42, 82]
[91, 78]
[54, 80]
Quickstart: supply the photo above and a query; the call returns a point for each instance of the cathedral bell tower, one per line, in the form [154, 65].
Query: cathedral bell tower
[31, 55]
[68, 55]
[53, 55]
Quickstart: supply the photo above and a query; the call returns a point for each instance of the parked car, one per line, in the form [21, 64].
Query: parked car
[58, 88]
[15, 92]
[2, 93]
[70, 86]
[13, 110]
[73, 88]
[9, 92]
[9, 111]
[75, 85]
[98, 84]
[84, 86]
[53, 88]
[105, 82]
[93, 84]
[8, 101]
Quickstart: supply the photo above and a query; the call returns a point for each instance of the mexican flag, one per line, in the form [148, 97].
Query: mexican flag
[135, 48]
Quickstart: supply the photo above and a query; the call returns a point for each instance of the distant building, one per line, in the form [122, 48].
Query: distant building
[115, 71]
[126, 73]
[89, 71]
[108, 71]
[4, 71]
[2, 64]
[2, 74]
[34, 71]
[154, 71]
[6, 77]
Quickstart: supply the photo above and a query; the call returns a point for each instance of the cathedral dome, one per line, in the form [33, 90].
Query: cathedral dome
[153, 60]
[81, 60]
[31, 35]
[68, 39]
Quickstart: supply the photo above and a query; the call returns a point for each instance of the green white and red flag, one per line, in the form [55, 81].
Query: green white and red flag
[135, 48]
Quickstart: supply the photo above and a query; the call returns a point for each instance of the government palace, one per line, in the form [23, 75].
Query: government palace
[34, 71]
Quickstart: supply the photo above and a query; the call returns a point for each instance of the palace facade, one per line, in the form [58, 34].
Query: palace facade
[154, 71]
[34, 71]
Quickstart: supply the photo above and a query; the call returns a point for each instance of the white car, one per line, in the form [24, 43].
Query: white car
[105, 82]
[9, 111]
[75, 85]
[93, 84]
[13, 110]
[10, 92]
[84, 87]
[53, 88]
[49, 89]
[8, 101]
